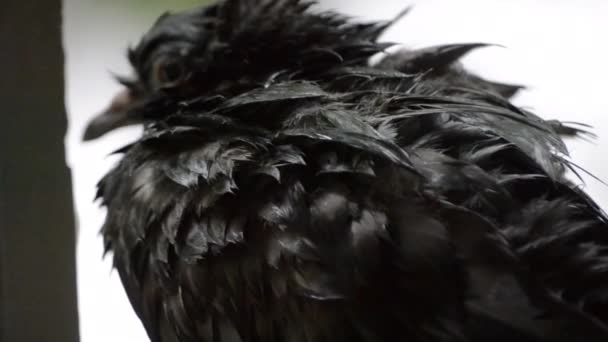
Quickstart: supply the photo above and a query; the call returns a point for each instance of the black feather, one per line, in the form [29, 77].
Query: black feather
[289, 191]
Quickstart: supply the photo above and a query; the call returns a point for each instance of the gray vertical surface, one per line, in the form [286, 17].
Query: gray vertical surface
[37, 233]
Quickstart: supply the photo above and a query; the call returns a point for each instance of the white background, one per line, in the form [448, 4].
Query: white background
[555, 47]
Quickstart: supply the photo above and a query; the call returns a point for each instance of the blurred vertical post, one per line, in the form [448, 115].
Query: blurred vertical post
[37, 231]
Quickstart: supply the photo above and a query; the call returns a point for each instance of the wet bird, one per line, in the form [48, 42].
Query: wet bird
[287, 189]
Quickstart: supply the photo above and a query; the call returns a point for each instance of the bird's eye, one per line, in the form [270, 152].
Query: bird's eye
[169, 72]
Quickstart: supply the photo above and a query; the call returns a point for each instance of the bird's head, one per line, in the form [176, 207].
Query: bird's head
[228, 48]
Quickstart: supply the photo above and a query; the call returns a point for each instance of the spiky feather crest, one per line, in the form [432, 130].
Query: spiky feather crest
[250, 40]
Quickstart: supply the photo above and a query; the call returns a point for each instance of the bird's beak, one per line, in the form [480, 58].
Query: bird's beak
[115, 116]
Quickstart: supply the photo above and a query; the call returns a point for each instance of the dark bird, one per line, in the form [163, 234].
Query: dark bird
[285, 189]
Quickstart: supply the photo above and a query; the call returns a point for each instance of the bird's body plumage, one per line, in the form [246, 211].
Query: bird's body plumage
[304, 195]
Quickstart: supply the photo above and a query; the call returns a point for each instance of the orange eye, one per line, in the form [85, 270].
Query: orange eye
[169, 72]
